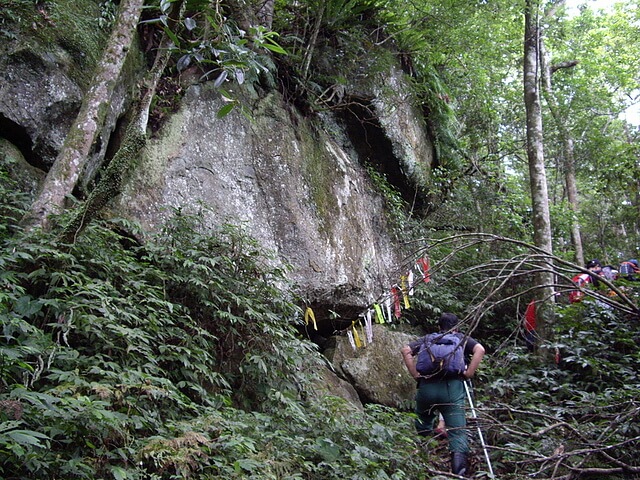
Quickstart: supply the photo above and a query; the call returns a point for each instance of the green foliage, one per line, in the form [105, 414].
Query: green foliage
[13, 14]
[13, 204]
[326, 40]
[108, 13]
[338, 44]
[132, 361]
[106, 341]
[591, 96]
[252, 313]
[329, 439]
[586, 402]
[396, 207]
[220, 50]
[440, 117]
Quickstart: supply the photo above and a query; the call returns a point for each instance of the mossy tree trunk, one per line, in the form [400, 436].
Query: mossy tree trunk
[70, 162]
[537, 172]
[567, 148]
[124, 160]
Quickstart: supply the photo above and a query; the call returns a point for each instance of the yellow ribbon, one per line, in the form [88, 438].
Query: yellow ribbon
[379, 316]
[356, 337]
[308, 314]
[405, 293]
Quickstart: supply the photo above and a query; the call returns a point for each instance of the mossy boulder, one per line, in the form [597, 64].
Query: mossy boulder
[48, 54]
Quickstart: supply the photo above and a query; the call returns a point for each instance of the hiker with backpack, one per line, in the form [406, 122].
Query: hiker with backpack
[610, 273]
[438, 363]
[629, 269]
[595, 268]
[582, 280]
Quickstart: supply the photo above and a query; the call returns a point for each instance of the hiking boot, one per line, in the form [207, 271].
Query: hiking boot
[459, 463]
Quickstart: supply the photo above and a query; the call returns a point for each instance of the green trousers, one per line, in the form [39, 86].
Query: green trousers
[448, 398]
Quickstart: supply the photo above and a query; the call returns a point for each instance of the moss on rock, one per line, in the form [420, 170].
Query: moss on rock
[68, 32]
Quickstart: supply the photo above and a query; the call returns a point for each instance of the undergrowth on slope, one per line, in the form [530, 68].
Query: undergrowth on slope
[581, 411]
[178, 358]
[172, 358]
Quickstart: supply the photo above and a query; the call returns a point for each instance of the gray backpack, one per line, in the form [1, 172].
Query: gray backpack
[441, 353]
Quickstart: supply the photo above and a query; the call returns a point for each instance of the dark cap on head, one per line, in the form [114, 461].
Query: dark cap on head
[448, 321]
[594, 263]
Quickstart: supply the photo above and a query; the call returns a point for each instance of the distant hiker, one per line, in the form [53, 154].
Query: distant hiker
[595, 267]
[529, 325]
[609, 273]
[582, 280]
[438, 362]
[629, 269]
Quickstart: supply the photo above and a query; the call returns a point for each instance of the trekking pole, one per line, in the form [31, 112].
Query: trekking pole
[475, 416]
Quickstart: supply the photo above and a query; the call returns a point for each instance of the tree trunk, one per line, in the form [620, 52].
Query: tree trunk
[66, 170]
[135, 140]
[125, 158]
[265, 13]
[537, 171]
[568, 151]
[308, 54]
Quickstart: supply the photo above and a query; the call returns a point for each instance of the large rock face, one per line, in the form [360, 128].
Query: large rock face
[27, 178]
[46, 66]
[38, 101]
[297, 183]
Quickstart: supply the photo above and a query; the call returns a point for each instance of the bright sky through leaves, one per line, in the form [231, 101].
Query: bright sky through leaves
[632, 114]
[572, 5]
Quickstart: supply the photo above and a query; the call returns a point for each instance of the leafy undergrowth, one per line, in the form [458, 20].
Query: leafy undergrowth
[176, 358]
[577, 417]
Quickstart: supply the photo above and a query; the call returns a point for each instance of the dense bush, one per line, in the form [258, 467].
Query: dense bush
[582, 411]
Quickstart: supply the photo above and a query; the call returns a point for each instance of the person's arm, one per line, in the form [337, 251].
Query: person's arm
[409, 361]
[476, 358]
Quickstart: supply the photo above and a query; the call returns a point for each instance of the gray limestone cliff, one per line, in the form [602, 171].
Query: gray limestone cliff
[296, 182]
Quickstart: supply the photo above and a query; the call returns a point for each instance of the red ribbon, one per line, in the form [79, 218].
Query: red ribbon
[423, 263]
